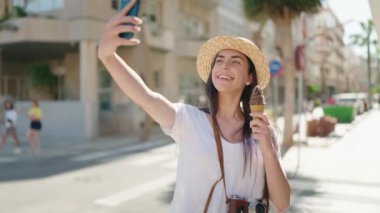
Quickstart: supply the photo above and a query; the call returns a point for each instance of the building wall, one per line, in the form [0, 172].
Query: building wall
[71, 84]
[173, 33]
[375, 7]
[54, 123]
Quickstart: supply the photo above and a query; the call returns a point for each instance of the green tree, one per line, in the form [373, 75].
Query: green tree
[5, 9]
[42, 78]
[282, 12]
[363, 40]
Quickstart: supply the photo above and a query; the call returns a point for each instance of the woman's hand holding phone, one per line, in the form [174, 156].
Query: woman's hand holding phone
[120, 23]
[134, 11]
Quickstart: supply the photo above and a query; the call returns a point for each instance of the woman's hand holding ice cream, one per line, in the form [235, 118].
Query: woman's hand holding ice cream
[260, 124]
[261, 130]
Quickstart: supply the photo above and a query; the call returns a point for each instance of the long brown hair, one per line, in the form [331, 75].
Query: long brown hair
[212, 94]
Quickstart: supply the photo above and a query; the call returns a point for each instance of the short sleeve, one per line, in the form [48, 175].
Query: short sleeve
[174, 131]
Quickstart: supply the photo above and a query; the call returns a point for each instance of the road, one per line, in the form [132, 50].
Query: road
[339, 174]
[335, 175]
[109, 181]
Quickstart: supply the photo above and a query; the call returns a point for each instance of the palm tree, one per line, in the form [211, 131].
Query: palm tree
[325, 64]
[378, 64]
[258, 34]
[282, 13]
[5, 9]
[364, 40]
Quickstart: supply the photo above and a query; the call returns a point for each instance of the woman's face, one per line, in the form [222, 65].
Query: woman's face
[230, 71]
[8, 105]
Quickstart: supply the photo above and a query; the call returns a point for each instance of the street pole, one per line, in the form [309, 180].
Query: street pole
[275, 96]
[369, 67]
[1, 72]
[300, 115]
[275, 67]
[300, 65]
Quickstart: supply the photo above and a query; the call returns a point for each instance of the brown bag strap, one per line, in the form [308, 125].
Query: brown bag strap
[210, 195]
[221, 164]
[266, 193]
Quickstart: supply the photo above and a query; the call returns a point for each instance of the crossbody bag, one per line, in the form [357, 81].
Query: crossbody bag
[235, 204]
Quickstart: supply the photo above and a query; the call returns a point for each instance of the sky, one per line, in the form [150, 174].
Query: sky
[352, 12]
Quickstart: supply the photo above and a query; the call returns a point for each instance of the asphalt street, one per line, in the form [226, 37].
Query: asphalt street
[335, 174]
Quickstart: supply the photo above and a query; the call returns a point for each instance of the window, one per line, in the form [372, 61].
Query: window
[192, 89]
[193, 28]
[230, 27]
[105, 90]
[233, 7]
[153, 11]
[37, 6]
[115, 4]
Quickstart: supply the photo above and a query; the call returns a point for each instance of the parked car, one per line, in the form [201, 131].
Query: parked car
[365, 99]
[376, 97]
[350, 99]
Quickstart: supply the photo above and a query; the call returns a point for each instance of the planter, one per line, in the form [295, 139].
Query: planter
[344, 114]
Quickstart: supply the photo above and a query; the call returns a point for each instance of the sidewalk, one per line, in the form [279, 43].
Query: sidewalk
[301, 120]
[56, 147]
[339, 173]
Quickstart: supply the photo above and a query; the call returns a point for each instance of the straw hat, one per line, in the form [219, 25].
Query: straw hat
[211, 47]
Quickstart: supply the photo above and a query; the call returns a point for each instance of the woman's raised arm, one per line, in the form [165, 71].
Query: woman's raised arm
[156, 105]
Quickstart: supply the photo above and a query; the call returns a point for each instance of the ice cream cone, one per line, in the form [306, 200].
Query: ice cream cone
[257, 108]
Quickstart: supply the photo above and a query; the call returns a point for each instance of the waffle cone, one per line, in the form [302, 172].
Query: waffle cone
[257, 108]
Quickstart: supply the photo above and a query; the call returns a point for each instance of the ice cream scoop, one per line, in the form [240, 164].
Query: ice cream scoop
[257, 100]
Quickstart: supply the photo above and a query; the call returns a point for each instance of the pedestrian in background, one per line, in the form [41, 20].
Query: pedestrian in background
[231, 68]
[10, 119]
[33, 133]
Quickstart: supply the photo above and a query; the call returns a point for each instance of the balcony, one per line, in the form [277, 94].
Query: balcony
[208, 4]
[158, 37]
[189, 47]
[34, 29]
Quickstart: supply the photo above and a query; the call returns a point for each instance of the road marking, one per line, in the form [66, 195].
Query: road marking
[150, 160]
[92, 156]
[132, 193]
[8, 159]
[169, 165]
[106, 154]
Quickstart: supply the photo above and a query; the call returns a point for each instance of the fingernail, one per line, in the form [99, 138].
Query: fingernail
[139, 21]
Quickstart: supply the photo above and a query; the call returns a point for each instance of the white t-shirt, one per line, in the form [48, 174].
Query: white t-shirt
[10, 118]
[198, 165]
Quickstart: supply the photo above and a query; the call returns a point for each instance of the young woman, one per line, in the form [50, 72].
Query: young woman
[33, 133]
[231, 67]
[10, 119]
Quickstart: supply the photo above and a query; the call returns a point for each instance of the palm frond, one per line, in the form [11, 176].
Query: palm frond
[275, 8]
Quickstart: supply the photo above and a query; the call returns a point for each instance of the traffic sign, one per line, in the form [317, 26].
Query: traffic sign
[275, 67]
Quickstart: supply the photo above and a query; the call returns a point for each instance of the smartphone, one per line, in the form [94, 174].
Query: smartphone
[134, 11]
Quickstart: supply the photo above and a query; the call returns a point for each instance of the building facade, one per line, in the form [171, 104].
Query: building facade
[62, 35]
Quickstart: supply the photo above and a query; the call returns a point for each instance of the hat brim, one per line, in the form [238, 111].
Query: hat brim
[212, 47]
